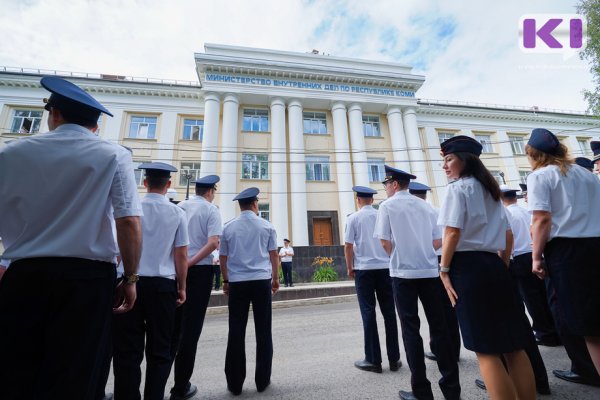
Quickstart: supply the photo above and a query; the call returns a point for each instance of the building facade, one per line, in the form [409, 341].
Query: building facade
[302, 127]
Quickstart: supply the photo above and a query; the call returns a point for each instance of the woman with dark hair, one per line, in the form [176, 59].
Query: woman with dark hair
[564, 199]
[475, 255]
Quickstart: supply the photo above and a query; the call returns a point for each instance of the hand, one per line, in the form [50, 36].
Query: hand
[274, 285]
[350, 272]
[449, 288]
[226, 288]
[181, 297]
[125, 295]
[539, 268]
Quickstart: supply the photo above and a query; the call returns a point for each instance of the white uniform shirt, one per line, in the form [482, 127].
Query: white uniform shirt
[520, 223]
[204, 221]
[284, 253]
[57, 193]
[481, 220]
[368, 252]
[573, 200]
[410, 223]
[438, 252]
[164, 227]
[246, 242]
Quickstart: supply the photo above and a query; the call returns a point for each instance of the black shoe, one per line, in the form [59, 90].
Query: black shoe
[235, 392]
[395, 365]
[480, 384]
[429, 355]
[570, 376]
[261, 388]
[367, 366]
[407, 395]
[189, 393]
[550, 341]
[108, 396]
[291, 285]
[543, 388]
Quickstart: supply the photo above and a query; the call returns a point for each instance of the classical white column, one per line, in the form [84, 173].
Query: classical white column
[398, 139]
[343, 167]
[415, 148]
[357, 141]
[297, 175]
[210, 141]
[279, 204]
[167, 137]
[440, 181]
[511, 169]
[229, 157]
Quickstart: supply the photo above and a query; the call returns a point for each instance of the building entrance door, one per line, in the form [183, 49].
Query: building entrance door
[322, 232]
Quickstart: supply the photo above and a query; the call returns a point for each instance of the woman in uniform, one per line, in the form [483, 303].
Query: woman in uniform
[564, 199]
[475, 254]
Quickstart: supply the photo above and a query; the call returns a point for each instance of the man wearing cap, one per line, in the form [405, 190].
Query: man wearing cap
[420, 190]
[161, 288]
[585, 163]
[523, 187]
[249, 262]
[369, 265]
[204, 227]
[408, 232]
[595, 145]
[286, 253]
[57, 191]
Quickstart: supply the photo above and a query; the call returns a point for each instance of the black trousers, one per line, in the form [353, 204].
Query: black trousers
[55, 324]
[533, 292]
[151, 320]
[581, 362]
[217, 274]
[407, 293]
[241, 295]
[371, 283]
[451, 322]
[286, 267]
[189, 319]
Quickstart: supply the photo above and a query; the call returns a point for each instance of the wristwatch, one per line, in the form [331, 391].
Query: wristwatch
[444, 269]
[133, 278]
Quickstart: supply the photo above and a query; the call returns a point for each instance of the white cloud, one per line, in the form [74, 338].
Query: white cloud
[479, 61]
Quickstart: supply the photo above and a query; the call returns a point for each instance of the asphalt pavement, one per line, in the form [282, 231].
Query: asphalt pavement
[315, 347]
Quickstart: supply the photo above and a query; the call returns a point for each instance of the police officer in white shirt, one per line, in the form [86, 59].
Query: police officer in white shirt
[369, 265]
[57, 191]
[564, 200]
[420, 190]
[286, 253]
[249, 262]
[204, 227]
[409, 233]
[161, 288]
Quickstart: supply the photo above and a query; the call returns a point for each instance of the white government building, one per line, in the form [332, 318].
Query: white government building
[302, 127]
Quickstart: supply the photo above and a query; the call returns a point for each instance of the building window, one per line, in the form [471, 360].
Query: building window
[139, 173]
[191, 169]
[142, 127]
[371, 126]
[263, 211]
[443, 136]
[26, 122]
[486, 142]
[256, 120]
[497, 177]
[193, 129]
[518, 144]
[255, 166]
[584, 147]
[315, 123]
[523, 176]
[376, 170]
[317, 168]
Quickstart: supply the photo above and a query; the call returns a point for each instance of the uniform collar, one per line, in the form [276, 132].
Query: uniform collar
[247, 214]
[403, 192]
[156, 197]
[73, 128]
[367, 207]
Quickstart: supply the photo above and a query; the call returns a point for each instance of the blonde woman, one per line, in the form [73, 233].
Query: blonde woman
[475, 255]
[564, 199]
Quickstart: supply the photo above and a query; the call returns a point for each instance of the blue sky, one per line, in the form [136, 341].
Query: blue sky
[468, 50]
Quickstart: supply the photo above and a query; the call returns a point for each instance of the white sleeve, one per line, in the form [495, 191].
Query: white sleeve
[538, 193]
[454, 209]
[383, 228]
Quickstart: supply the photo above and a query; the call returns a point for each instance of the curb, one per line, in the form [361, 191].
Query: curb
[293, 303]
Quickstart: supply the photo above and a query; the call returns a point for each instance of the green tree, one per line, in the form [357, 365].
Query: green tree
[591, 10]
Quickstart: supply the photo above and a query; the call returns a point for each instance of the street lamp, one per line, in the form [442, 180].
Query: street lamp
[502, 176]
[188, 176]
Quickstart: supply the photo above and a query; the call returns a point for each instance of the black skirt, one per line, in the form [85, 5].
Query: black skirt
[575, 273]
[491, 318]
